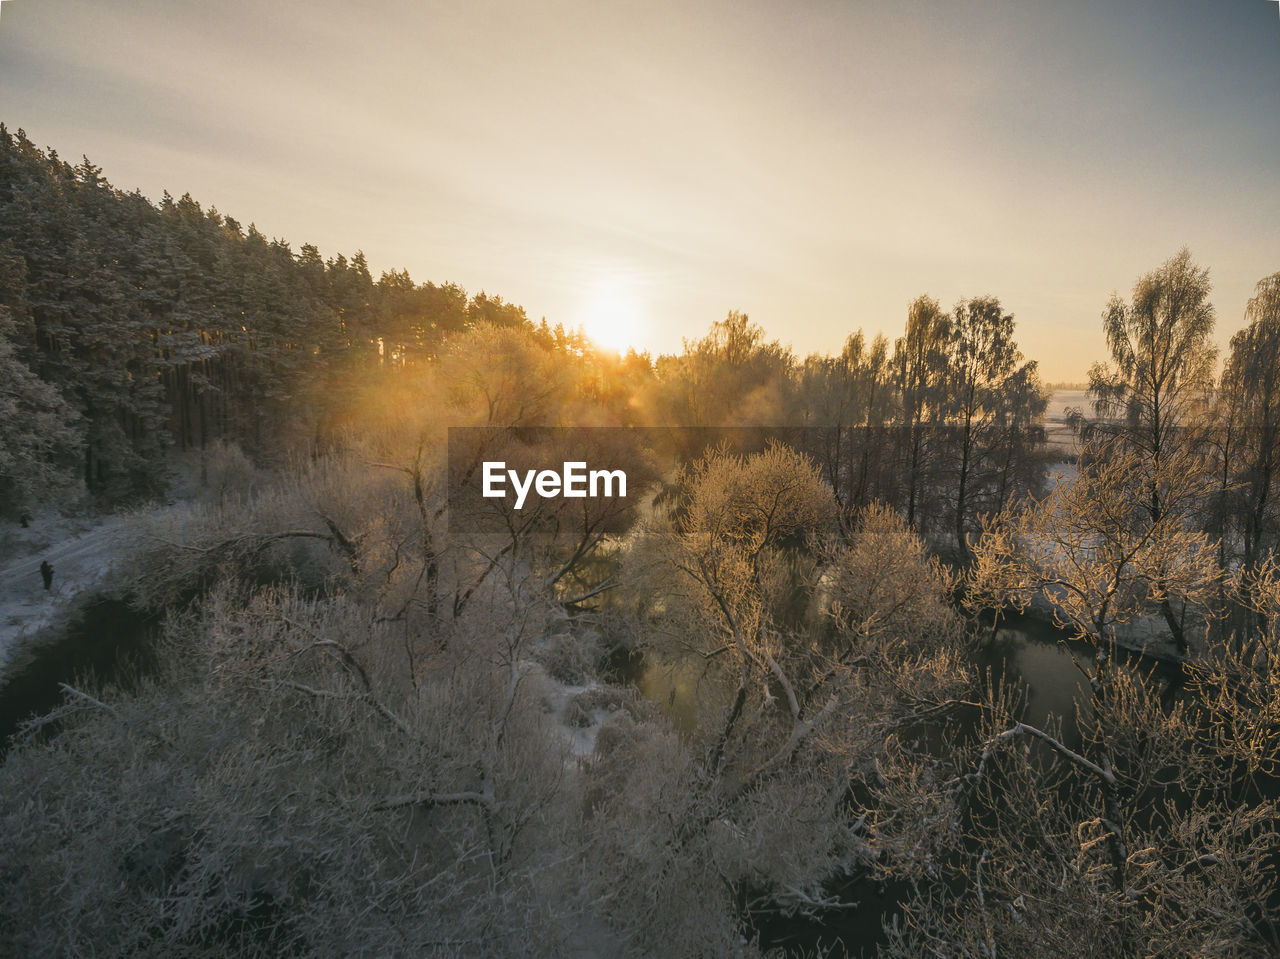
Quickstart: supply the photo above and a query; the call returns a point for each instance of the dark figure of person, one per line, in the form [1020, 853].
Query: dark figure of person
[46, 572]
[25, 518]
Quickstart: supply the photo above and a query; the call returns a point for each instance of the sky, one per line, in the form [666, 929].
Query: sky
[643, 168]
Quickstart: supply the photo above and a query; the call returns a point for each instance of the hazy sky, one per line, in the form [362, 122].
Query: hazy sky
[817, 165]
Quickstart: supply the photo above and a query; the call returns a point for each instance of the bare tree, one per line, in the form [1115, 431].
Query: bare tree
[1163, 357]
[1137, 833]
[1247, 427]
[1159, 386]
[919, 362]
[988, 396]
[847, 403]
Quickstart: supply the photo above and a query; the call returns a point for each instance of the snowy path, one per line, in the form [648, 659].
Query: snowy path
[82, 553]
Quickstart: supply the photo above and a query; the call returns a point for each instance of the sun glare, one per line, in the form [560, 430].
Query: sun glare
[611, 316]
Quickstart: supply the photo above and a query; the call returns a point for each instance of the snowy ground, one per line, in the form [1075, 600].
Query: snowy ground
[83, 552]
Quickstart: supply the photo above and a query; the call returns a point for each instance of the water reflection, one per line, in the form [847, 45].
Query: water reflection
[1046, 664]
[1049, 662]
[685, 690]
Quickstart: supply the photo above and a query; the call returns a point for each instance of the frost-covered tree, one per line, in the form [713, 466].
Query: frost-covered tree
[845, 404]
[310, 771]
[1246, 429]
[1130, 842]
[1151, 830]
[1109, 844]
[1096, 554]
[1154, 395]
[817, 652]
[733, 376]
[1162, 358]
[283, 788]
[39, 432]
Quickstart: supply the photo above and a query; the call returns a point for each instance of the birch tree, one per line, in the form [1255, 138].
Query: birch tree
[1247, 428]
[1158, 385]
[988, 397]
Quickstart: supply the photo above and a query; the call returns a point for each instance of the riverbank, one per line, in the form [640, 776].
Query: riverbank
[84, 553]
[100, 640]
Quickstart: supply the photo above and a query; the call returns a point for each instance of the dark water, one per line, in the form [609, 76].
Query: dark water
[1026, 650]
[108, 641]
[1048, 663]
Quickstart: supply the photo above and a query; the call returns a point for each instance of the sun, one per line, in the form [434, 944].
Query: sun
[611, 315]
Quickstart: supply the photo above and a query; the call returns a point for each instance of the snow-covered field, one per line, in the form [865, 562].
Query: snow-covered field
[1060, 437]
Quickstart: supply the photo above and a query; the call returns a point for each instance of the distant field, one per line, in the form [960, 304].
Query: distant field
[1056, 416]
[1061, 400]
